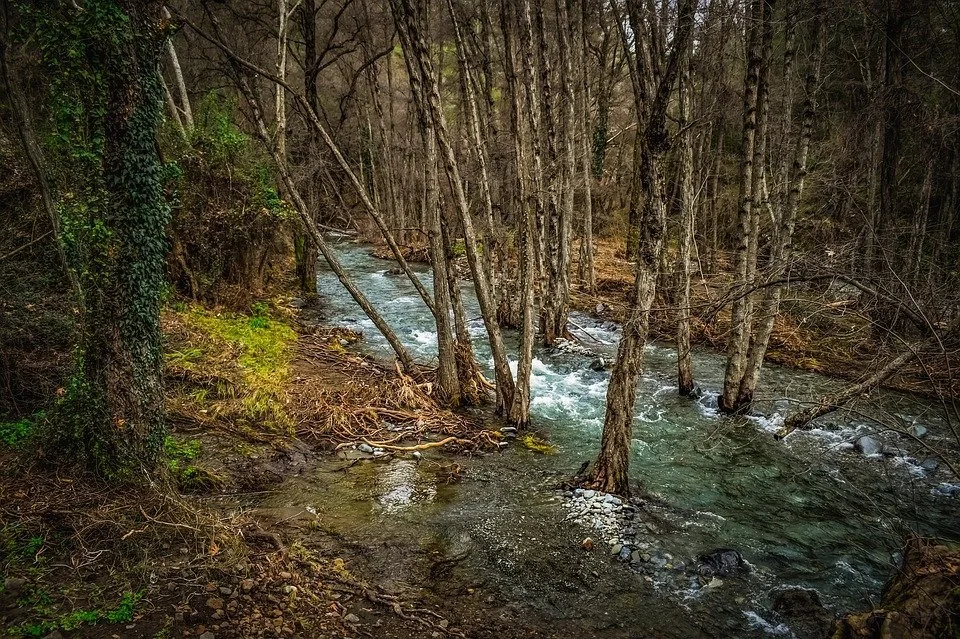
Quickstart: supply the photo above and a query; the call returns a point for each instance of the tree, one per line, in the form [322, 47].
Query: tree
[113, 415]
[652, 89]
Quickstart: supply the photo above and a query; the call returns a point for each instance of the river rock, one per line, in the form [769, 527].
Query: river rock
[868, 445]
[917, 430]
[805, 611]
[893, 451]
[598, 364]
[589, 494]
[722, 562]
[929, 464]
[365, 448]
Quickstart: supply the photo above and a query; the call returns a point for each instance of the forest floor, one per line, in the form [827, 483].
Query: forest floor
[252, 400]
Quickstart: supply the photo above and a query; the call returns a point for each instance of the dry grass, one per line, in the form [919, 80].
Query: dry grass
[341, 398]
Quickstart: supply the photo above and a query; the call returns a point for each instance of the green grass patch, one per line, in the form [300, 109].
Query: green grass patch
[121, 613]
[257, 346]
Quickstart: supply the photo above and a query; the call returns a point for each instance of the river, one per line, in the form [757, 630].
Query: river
[498, 548]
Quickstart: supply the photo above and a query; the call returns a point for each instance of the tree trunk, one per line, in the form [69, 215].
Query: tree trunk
[420, 71]
[610, 472]
[832, 402]
[688, 207]
[783, 243]
[750, 168]
[116, 406]
[325, 249]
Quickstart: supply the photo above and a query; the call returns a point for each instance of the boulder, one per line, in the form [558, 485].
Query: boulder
[722, 562]
[804, 611]
[868, 445]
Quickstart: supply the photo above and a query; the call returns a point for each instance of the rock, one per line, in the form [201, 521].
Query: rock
[378, 452]
[587, 544]
[714, 583]
[929, 464]
[578, 492]
[624, 554]
[804, 610]
[417, 454]
[868, 445]
[13, 585]
[365, 448]
[207, 635]
[215, 603]
[917, 430]
[352, 618]
[247, 585]
[722, 562]
[600, 308]
[589, 494]
[615, 549]
[893, 451]
[226, 590]
[598, 364]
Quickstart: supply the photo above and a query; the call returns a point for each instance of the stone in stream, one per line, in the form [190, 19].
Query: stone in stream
[929, 464]
[804, 609]
[868, 445]
[722, 562]
[598, 364]
[917, 430]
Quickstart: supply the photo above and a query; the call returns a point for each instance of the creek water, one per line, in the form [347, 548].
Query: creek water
[497, 547]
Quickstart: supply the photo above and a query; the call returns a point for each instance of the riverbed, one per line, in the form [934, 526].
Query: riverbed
[497, 547]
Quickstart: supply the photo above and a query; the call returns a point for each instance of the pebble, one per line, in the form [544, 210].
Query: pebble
[352, 618]
[589, 494]
[215, 603]
[615, 549]
[365, 448]
[715, 583]
[207, 635]
[416, 454]
[225, 590]
[247, 585]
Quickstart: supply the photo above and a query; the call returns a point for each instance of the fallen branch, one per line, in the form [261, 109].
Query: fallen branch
[426, 446]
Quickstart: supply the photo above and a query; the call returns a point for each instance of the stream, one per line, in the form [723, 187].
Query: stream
[498, 551]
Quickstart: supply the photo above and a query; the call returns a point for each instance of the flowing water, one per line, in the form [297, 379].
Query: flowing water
[808, 511]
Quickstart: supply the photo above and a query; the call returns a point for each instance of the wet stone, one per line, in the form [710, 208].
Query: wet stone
[868, 445]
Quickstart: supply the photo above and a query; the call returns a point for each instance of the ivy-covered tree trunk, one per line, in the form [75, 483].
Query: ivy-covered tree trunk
[117, 398]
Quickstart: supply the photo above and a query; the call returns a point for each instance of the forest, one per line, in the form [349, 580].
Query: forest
[480, 318]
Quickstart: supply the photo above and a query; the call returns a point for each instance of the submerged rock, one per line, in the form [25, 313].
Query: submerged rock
[598, 364]
[868, 445]
[917, 430]
[722, 562]
[805, 611]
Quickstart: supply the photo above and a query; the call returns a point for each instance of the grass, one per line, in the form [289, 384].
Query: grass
[40, 602]
[245, 358]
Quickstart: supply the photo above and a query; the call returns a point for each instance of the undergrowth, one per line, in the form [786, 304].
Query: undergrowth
[236, 367]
